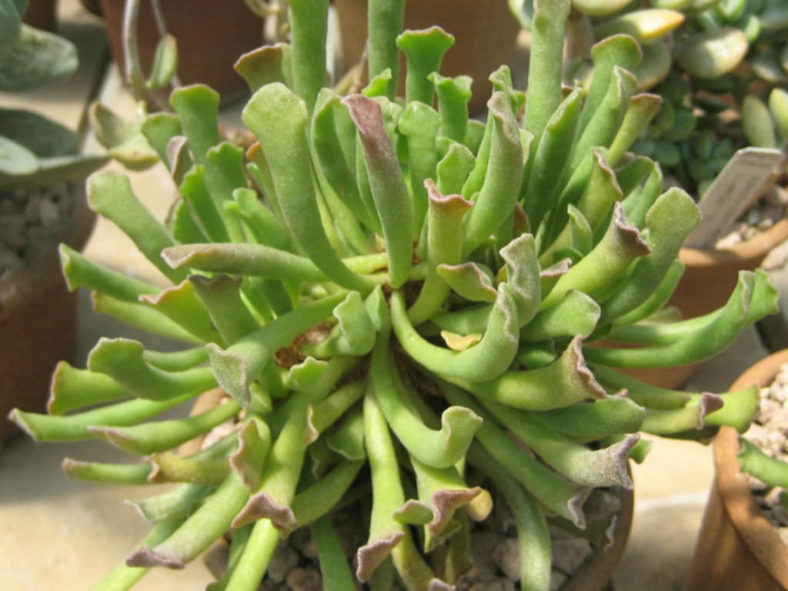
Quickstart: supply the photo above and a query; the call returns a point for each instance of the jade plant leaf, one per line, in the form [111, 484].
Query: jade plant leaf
[34, 58]
[42, 136]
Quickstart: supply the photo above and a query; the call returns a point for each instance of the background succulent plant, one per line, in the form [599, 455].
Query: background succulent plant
[413, 291]
[703, 58]
[35, 150]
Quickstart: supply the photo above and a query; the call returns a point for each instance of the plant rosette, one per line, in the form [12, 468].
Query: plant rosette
[402, 320]
[742, 541]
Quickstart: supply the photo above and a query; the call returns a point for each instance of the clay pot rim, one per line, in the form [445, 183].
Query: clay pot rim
[756, 531]
[755, 248]
[45, 269]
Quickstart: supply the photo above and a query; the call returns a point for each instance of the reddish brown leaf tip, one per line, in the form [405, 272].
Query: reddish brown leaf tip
[708, 404]
[372, 554]
[575, 506]
[556, 269]
[452, 203]
[445, 502]
[262, 506]
[630, 235]
[583, 371]
[367, 116]
[147, 557]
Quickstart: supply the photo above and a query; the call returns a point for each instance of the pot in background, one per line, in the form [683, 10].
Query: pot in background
[711, 275]
[42, 14]
[484, 37]
[38, 319]
[737, 547]
[211, 35]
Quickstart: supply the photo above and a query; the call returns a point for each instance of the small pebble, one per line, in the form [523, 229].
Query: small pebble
[49, 213]
[9, 260]
[283, 561]
[556, 580]
[31, 212]
[570, 553]
[759, 218]
[507, 558]
[769, 432]
[483, 547]
[768, 410]
[12, 231]
[304, 579]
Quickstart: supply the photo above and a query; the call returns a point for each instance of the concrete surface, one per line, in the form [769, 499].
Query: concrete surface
[66, 535]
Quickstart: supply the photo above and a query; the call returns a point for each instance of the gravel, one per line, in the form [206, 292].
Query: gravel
[769, 432]
[770, 209]
[32, 221]
[494, 547]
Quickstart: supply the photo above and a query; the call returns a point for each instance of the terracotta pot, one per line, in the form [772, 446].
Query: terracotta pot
[37, 324]
[664, 377]
[484, 32]
[42, 14]
[93, 6]
[211, 35]
[711, 275]
[737, 547]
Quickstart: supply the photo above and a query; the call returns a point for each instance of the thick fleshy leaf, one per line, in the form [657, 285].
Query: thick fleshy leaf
[440, 449]
[599, 7]
[644, 25]
[16, 159]
[279, 120]
[10, 22]
[621, 244]
[385, 21]
[444, 247]
[423, 51]
[266, 64]
[562, 383]
[165, 63]
[712, 53]
[544, 79]
[453, 97]
[503, 176]
[387, 184]
[123, 140]
[42, 136]
[35, 58]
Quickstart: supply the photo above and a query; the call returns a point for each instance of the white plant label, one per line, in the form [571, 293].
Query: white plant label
[743, 180]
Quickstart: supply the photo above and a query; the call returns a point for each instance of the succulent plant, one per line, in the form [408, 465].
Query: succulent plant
[765, 468]
[395, 296]
[34, 150]
[702, 57]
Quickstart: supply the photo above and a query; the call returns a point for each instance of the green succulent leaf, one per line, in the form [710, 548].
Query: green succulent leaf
[42, 136]
[165, 64]
[713, 53]
[34, 58]
[10, 22]
[645, 25]
[16, 159]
